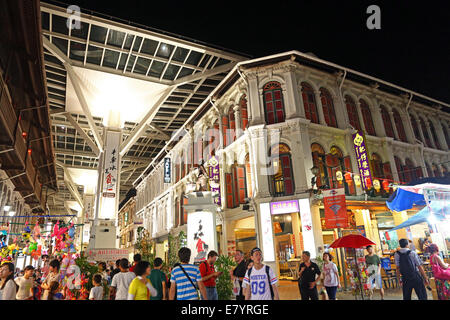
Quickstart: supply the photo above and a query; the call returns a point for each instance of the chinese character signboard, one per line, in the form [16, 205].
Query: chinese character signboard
[282, 207]
[107, 254]
[362, 158]
[88, 203]
[335, 208]
[111, 164]
[167, 175]
[214, 177]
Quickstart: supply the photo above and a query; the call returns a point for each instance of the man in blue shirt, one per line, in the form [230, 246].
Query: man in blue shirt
[185, 279]
[409, 266]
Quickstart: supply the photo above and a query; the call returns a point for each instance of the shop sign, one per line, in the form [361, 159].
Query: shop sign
[201, 232]
[335, 208]
[283, 207]
[111, 164]
[307, 230]
[107, 254]
[267, 233]
[214, 177]
[361, 230]
[362, 158]
[167, 171]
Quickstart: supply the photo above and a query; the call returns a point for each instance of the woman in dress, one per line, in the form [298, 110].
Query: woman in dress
[331, 276]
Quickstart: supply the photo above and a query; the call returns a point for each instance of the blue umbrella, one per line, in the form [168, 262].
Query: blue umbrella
[424, 214]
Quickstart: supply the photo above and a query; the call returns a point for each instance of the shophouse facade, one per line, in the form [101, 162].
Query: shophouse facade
[279, 117]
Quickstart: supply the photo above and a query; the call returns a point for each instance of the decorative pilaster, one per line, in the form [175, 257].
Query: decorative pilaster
[237, 120]
[360, 116]
[427, 125]
[320, 108]
[391, 116]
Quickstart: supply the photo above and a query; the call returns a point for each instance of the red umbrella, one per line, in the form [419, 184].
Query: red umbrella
[351, 241]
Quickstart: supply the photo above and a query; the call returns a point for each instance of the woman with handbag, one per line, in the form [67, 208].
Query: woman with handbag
[441, 272]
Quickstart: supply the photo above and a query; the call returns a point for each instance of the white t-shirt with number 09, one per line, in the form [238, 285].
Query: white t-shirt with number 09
[259, 284]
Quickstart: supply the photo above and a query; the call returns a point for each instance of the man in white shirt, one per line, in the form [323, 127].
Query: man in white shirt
[260, 280]
[121, 281]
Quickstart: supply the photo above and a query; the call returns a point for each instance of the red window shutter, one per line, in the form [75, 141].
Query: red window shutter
[288, 179]
[229, 190]
[244, 117]
[241, 184]
[185, 201]
[235, 188]
[387, 171]
[348, 167]
[177, 169]
[419, 172]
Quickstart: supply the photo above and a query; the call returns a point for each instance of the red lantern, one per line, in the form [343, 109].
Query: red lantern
[385, 184]
[348, 177]
[24, 135]
[29, 152]
[368, 182]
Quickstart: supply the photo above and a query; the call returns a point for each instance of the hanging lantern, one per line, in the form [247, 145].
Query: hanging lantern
[368, 182]
[339, 176]
[357, 180]
[24, 135]
[376, 185]
[29, 152]
[385, 184]
[348, 177]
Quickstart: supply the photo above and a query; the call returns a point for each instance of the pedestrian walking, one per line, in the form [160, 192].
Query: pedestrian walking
[158, 280]
[441, 273]
[409, 267]
[185, 279]
[96, 292]
[260, 280]
[53, 275]
[25, 284]
[331, 276]
[116, 270]
[238, 273]
[136, 258]
[309, 274]
[121, 281]
[209, 275]
[8, 287]
[373, 263]
[141, 287]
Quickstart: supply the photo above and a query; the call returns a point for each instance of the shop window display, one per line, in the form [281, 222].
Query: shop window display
[357, 272]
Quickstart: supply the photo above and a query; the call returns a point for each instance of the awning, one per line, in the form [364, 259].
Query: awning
[423, 215]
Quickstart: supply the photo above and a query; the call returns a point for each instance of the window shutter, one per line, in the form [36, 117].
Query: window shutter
[244, 117]
[288, 178]
[177, 213]
[387, 171]
[229, 190]
[184, 212]
[235, 187]
[316, 161]
[348, 167]
[330, 162]
[242, 192]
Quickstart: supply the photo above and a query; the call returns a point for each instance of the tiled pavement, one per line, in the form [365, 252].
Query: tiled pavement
[289, 291]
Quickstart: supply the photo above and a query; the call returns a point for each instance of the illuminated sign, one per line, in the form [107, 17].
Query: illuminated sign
[362, 158]
[214, 177]
[335, 208]
[307, 230]
[267, 233]
[167, 171]
[282, 207]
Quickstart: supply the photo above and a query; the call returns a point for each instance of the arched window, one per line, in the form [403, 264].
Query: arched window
[244, 112]
[232, 122]
[435, 137]
[415, 128]
[399, 167]
[235, 185]
[367, 117]
[425, 133]
[328, 108]
[282, 183]
[399, 125]
[309, 103]
[273, 102]
[387, 122]
[352, 113]
[447, 137]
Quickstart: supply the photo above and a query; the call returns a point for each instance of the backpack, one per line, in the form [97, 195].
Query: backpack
[268, 278]
[407, 267]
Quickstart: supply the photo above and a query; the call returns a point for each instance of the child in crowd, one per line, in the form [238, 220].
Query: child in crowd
[96, 291]
[54, 293]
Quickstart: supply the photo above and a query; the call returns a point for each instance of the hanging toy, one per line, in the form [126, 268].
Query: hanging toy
[36, 232]
[27, 232]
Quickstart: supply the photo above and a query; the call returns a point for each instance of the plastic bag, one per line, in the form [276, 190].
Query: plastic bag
[236, 287]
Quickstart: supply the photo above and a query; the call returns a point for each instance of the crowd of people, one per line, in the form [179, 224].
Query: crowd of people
[252, 280]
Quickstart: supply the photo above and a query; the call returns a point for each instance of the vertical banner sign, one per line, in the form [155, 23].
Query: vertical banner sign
[267, 232]
[110, 176]
[88, 203]
[167, 170]
[362, 157]
[307, 230]
[214, 177]
[335, 208]
[200, 235]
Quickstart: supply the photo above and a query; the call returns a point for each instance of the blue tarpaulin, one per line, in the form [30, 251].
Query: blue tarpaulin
[437, 207]
[403, 200]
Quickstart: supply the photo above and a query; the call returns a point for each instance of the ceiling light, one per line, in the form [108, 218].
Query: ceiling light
[11, 213]
[7, 208]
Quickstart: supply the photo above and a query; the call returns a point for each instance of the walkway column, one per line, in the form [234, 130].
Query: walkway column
[320, 108]
[360, 117]
[427, 124]
[237, 120]
[391, 116]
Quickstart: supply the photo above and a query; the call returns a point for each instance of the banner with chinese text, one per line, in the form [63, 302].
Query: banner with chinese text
[362, 158]
[214, 177]
[335, 208]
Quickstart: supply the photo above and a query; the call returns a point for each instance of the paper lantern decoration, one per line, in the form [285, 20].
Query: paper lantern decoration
[376, 184]
[348, 177]
[385, 184]
[368, 182]
[339, 176]
[357, 180]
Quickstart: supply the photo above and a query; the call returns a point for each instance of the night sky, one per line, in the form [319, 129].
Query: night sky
[412, 49]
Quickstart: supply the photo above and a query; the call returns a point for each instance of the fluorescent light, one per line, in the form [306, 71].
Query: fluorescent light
[11, 213]
[7, 208]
